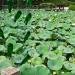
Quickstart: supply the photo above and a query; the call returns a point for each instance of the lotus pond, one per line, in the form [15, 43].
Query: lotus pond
[49, 48]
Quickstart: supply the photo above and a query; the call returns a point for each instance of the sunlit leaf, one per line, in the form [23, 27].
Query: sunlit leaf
[36, 61]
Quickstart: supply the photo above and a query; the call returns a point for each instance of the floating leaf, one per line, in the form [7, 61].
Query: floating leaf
[4, 62]
[42, 70]
[17, 16]
[36, 61]
[67, 73]
[33, 53]
[55, 64]
[43, 48]
[28, 17]
[10, 40]
[2, 48]
[44, 34]
[17, 58]
[69, 66]
[27, 69]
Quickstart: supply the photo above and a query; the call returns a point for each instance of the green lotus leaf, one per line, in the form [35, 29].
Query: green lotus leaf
[67, 73]
[17, 59]
[69, 66]
[33, 53]
[55, 64]
[42, 70]
[2, 48]
[43, 48]
[36, 61]
[7, 31]
[27, 69]
[18, 46]
[4, 62]
[43, 34]
[10, 40]
[71, 39]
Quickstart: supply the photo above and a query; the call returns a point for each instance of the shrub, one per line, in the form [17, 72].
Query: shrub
[72, 7]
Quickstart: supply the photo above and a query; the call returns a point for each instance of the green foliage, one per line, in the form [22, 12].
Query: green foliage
[29, 2]
[72, 0]
[28, 17]
[4, 62]
[17, 16]
[36, 61]
[26, 36]
[27, 69]
[10, 49]
[57, 2]
[55, 64]
[16, 46]
[1, 33]
[10, 5]
[40, 47]
[72, 7]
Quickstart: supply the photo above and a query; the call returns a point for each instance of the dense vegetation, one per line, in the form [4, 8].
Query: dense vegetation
[49, 47]
[38, 42]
